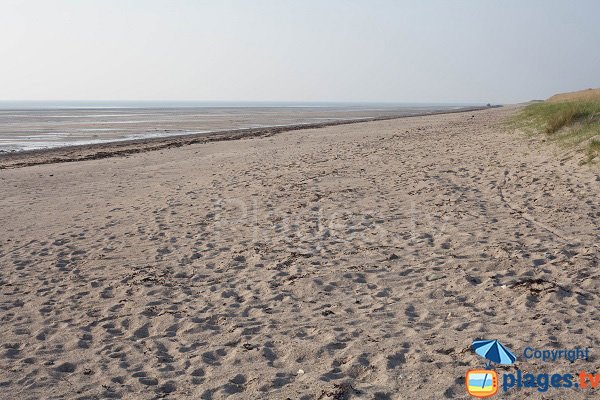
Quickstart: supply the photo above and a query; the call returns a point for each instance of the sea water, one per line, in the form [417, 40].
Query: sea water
[42, 125]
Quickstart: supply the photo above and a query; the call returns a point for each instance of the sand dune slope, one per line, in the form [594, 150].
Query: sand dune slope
[587, 95]
[355, 261]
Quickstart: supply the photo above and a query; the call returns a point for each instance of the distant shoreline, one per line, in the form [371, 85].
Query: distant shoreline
[121, 148]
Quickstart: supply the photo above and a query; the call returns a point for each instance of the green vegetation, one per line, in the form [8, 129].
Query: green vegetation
[573, 124]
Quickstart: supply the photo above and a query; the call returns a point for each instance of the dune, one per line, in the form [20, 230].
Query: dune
[585, 95]
[569, 120]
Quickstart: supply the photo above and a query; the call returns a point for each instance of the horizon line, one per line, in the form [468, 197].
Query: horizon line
[50, 104]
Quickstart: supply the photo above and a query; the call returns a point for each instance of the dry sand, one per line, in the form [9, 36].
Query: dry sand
[353, 261]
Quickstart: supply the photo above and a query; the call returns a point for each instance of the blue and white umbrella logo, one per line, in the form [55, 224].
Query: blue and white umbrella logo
[494, 352]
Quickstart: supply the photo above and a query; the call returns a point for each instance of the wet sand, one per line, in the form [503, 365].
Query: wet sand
[47, 128]
[350, 261]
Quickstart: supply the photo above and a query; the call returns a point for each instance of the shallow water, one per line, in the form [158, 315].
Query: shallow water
[39, 128]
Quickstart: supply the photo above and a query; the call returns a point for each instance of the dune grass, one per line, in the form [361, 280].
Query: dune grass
[573, 124]
[586, 95]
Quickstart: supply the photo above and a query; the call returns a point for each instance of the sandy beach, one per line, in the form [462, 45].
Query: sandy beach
[354, 261]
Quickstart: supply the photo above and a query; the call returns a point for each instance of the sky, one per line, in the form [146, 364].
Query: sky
[311, 50]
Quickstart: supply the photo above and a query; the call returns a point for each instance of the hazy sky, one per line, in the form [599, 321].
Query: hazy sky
[322, 50]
